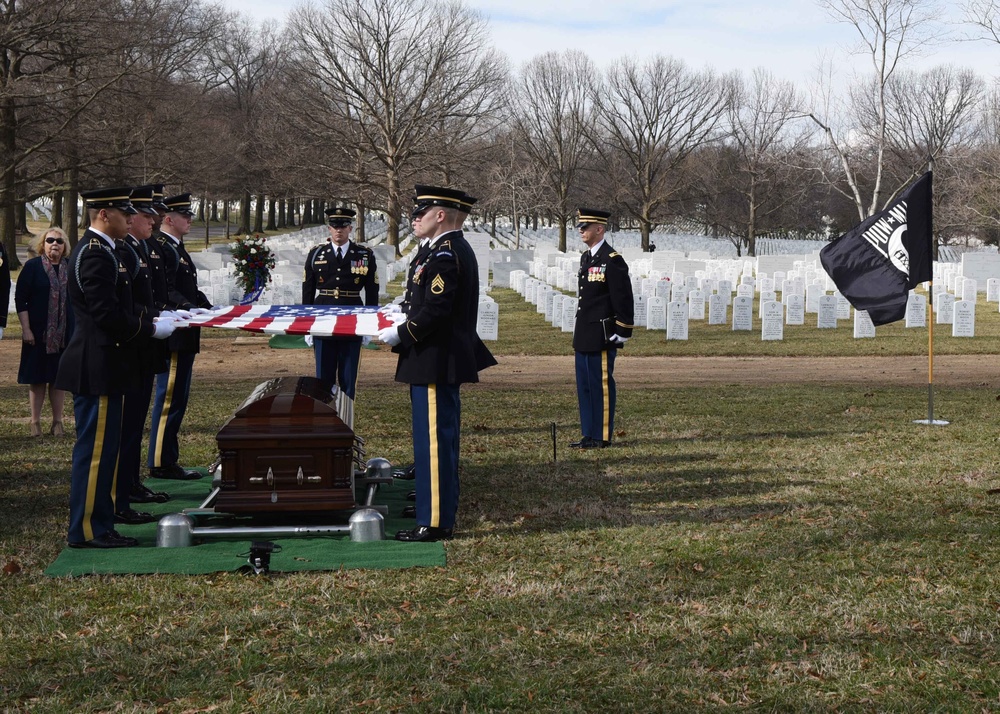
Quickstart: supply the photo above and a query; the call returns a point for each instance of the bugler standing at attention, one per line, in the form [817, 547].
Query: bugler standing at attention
[603, 324]
[337, 273]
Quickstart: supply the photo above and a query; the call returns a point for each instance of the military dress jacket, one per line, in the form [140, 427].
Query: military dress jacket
[156, 262]
[183, 292]
[606, 305]
[134, 255]
[4, 286]
[102, 355]
[438, 342]
[329, 280]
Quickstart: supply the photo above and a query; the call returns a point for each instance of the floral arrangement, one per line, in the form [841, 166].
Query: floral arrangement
[253, 262]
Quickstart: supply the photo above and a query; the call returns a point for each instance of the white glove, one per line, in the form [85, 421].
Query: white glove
[390, 336]
[391, 309]
[184, 314]
[199, 310]
[162, 329]
[308, 339]
[365, 340]
[618, 340]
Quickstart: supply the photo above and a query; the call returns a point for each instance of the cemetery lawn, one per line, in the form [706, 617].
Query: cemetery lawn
[780, 545]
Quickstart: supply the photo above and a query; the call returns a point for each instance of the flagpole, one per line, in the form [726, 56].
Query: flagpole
[930, 327]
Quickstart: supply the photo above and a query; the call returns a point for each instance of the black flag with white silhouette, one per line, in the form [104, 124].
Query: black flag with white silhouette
[877, 263]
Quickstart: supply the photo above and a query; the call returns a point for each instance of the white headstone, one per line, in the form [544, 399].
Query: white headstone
[969, 290]
[543, 295]
[639, 309]
[827, 315]
[716, 310]
[772, 318]
[677, 320]
[766, 285]
[945, 303]
[965, 319]
[489, 321]
[813, 294]
[662, 288]
[656, 313]
[696, 305]
[843, 307]
[863, 326]
[993, 290]
[795, 309]
[743, 312]
[744, 290]
[916, 310]
[570, 306]
[766, 296]
[725, 289]
[557, 309]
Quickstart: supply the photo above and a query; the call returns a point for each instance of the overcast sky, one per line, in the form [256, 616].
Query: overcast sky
[789, 37]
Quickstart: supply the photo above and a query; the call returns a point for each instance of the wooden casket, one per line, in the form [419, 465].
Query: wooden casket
[287, 449]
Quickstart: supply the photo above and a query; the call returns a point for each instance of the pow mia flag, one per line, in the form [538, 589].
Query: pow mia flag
[877, 263]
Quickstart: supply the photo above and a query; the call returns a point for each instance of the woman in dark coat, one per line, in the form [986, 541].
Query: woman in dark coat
[42, 304]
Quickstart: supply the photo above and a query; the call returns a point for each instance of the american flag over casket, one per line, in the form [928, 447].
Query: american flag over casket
[317, 320]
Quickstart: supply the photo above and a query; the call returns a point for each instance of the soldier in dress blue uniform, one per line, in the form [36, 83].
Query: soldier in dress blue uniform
[100, 363]
[4, 288]
[603, 324]
[336, 273]
[135, 253]
[439, 350]
[173, 386]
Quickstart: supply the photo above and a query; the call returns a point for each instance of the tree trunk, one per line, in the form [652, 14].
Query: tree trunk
[281, 214]
[57, 210]
[392, 212]
[244, 228]
[562, 233]
[271, 216]
[645, 228]
[215, 212]
[71, 215]
[307, 214]
[361, 234]
[258, 219]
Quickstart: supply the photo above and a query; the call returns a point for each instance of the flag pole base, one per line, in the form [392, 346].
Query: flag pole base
[932, 422]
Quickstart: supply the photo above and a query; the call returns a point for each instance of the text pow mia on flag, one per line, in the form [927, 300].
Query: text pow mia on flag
[877, 263]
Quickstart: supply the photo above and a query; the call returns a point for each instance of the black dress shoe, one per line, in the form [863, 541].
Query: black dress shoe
[409, 512]
[134, 518]
[596, 444]
[411, 496]
[174, 472]
[144, 494]
[424, 534]
[409, 473]
[129, 540]
[584, 443]
[107, 540]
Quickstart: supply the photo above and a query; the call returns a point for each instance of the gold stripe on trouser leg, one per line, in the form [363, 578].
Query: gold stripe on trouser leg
[432, 431]
[95, 466]
[165, 410]
[606, 389]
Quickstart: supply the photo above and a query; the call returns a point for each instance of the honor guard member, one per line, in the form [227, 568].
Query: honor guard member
[439, 350]
[336, 273]
[603, 324]
[100, 363]
[4, 288]
[135, 253]
[173, 386]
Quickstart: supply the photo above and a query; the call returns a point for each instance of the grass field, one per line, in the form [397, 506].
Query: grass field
[780, 548]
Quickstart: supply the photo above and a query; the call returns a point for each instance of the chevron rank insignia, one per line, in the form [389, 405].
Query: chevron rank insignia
[437, 285]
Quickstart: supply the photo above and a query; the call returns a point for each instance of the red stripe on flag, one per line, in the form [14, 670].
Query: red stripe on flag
[346, 325]
[301, 325]
[258, 324]
[226, 317]
[383, 321]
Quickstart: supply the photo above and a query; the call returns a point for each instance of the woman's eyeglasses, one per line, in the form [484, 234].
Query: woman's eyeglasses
[50, 240]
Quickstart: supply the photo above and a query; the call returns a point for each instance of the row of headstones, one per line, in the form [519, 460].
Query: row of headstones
[659, 313]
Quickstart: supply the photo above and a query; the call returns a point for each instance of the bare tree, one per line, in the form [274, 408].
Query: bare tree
[553, 117]
[889, 32]
[650, 117]
[391, 75]
[763, 145]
